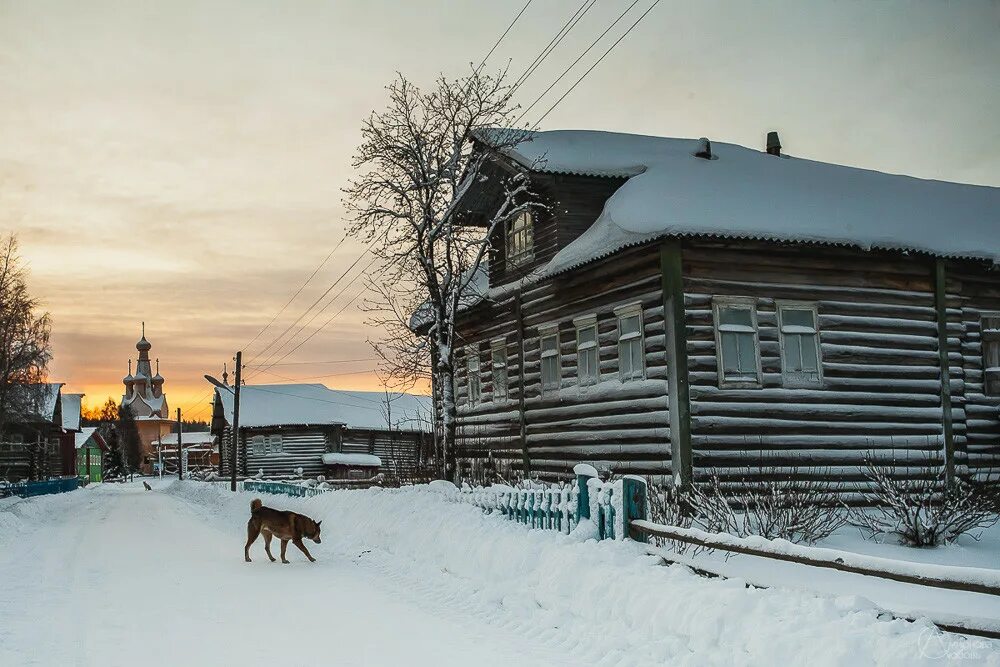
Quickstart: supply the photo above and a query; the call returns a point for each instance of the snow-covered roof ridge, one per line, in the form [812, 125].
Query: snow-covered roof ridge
[315, 404]
[749, 194]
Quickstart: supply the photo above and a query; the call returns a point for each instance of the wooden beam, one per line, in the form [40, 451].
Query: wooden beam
[672, 285]
[519, 329]
[941, 316]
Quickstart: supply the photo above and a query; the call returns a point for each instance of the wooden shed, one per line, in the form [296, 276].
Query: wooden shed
[286, 429]
[686, 308]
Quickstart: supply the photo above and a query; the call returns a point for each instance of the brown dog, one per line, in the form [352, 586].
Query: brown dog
[281, 524]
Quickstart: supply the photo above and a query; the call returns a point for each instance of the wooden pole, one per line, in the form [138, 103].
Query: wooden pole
[180, 448]
[679, 400]
[236, 423]
[521, 416]
[941, 311]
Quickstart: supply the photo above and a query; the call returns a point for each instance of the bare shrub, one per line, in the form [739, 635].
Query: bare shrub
[789, 508]
[928, 511]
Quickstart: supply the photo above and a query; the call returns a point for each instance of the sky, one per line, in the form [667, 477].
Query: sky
[181, 163]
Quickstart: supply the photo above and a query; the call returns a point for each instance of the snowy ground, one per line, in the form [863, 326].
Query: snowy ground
[115, 575]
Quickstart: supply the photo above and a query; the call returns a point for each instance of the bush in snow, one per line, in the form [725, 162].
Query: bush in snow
[789, 507]
[668, 506]
[925, 512]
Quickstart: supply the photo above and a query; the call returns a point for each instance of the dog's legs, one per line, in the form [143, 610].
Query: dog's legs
[302, 548]
[267, 544]
[253, 530]
[284, 545]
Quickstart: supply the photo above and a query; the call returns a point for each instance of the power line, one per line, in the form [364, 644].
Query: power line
[591, 68]
[313, 305]
[297, 292]
[553, 43]
[311, 319]
[574, 63]
[497, 43]
[314, 363]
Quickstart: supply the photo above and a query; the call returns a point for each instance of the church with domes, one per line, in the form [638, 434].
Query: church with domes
[144, 397]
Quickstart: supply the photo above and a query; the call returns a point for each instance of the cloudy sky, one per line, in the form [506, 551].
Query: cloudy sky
[181, 162]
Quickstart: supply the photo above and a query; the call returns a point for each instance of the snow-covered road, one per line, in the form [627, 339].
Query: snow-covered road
[115, 575]
[120, 576]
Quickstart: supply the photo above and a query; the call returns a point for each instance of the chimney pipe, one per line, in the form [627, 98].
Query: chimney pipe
[704, 150]
[773, 144]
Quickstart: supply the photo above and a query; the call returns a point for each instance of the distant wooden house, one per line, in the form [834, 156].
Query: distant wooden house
[201, 447]
[90, 450]
[71, 406]
[30, 448]
[288, 428]
[684, 309]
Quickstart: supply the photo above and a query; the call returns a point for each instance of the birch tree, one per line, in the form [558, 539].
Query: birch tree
[416, 162]
[24, 339]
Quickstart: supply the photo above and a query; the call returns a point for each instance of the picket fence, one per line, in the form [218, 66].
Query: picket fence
[611, 505]
[282, 488]
[30, 489]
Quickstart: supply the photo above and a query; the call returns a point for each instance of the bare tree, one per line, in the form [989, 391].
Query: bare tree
[24, 339]
[419, 158]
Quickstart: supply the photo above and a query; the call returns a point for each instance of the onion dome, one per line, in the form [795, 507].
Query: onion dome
[157, 379]
[143, 345]
[129, 379]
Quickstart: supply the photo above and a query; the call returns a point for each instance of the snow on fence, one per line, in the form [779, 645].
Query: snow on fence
[283, 488]
[29, 489]
[608, 506]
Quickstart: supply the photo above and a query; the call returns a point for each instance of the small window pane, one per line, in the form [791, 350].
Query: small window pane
[550, 345]
[748, 354]
[809, 357]
[793, 352]
[730, 354]
[796, 317]
[736, 316]
[499, 358]
[587, 335]
[472, 367]
[629, 325]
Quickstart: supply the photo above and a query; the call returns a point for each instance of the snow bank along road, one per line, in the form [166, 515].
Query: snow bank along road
[116, 575]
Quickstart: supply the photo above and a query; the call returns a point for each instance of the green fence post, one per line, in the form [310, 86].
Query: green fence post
[584, 473]
[634, 506]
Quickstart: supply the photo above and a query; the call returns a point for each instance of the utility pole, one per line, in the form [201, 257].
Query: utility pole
[180, 428]
[236, 422]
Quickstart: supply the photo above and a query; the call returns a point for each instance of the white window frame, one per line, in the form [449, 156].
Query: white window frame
[554, 385]
[990, 347]
[258, 445]
[473, 377]
[750, 303]
[581, 323]
[622, 312]
[275, 444]
[499, 345]
[797, 379]
[519, 240]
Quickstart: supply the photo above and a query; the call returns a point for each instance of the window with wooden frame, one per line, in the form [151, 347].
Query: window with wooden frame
[275, 444]
[258, 445]
[551, 361]
[498, 367]
[631, 345]
[801, 356]
[736, 342]
[587, 351]
[520, 240]
[473, 381]
[989, 332]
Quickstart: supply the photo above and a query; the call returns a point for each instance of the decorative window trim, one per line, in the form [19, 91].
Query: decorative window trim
[275, 444]
[989, 344]
[521, 236]
[473, 376]
[549, 331]
[499, 345]
[258, 444]
[579, 324]
[728, 302]
[789, 378]
[621, 312]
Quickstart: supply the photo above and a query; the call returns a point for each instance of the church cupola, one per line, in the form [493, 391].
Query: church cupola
[157, 381]
[144, 389]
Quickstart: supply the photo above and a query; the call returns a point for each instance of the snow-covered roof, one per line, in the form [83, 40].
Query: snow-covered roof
[189, 438]
[342, 459]
[314, 404]
[71, 404]
[89, 435]
[34, 402]
[748, 194]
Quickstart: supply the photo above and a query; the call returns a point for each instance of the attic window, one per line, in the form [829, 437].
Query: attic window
[520, 240]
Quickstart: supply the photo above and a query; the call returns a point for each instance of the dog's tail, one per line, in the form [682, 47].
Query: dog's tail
[255, 505]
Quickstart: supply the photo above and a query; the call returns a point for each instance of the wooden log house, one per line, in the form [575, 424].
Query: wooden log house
[31, 447]
[287, 427]
[685, 308]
